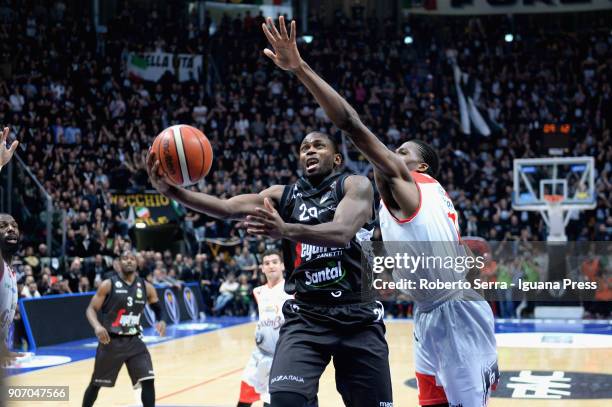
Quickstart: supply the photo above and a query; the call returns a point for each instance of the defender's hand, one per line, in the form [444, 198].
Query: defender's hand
[158, 181]
[102, 335]
[6, 153]
[286, 55]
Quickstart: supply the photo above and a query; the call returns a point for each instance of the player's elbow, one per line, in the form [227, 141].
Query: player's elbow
[349, 122]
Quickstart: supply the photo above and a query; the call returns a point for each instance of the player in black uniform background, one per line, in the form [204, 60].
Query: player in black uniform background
[122, 299]
[321, 219]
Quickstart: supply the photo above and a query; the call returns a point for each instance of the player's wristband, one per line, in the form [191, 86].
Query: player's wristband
[156, 310]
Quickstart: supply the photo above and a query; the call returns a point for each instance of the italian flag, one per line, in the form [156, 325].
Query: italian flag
[137, 67]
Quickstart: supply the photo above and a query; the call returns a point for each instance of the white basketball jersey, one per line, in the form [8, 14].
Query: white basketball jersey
[435, 219]
[8, 299]
[433, 233]
[270, 303]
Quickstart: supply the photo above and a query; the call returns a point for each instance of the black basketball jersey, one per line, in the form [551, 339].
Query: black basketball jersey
[316, 273]
[123, 306]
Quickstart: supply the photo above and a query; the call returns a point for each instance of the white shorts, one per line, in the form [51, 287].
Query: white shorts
[256, 375]
[455, 354]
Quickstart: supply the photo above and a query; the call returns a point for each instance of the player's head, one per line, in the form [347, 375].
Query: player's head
[128, 262]
[9, 235]
[319, 155]
[272, 266]
[420, 156]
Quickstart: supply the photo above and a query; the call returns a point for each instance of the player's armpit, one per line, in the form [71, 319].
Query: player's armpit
[406, 195]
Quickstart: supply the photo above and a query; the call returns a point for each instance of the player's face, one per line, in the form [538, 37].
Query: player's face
[9, 234]
[272, 267]
[411, 155]
[317, 155]
[128, 262]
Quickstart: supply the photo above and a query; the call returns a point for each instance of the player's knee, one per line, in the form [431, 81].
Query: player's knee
[287, 399]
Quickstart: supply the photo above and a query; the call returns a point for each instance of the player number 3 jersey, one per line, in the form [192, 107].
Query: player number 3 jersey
[123, 307]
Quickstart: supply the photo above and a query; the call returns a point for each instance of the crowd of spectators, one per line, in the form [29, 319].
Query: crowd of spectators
[85, 127]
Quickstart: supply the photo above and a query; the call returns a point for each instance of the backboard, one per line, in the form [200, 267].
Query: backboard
[555, 187]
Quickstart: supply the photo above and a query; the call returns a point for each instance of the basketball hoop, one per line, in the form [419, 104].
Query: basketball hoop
[553, 200]
[555, 221]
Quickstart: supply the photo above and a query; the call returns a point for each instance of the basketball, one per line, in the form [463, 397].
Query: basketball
[184, 153]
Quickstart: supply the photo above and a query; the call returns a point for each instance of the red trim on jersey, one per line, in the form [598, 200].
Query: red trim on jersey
[421, 178]
[298, 255]
[429, 393]
[247, 393]
[416, 212]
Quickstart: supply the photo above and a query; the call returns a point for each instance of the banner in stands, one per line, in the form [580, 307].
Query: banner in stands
[150, 209]
[54, 319]
[471, 7]
[151, 66]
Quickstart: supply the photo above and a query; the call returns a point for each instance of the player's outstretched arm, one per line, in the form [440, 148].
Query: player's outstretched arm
[153, 301]
[233, 208]
[6, 153]
[353, 211]
[286, 56]
[92, 311]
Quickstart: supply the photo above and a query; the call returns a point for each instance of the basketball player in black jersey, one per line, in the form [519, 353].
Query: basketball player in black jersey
[321, 218]
[122, 299]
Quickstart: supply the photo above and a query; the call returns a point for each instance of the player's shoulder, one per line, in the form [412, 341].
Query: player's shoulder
[422, 178]
[105, 286]
[357, 183]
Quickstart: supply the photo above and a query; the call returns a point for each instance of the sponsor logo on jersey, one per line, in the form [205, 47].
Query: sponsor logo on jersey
[138, 293]
[309, 251]
[330, 275]
[190, 303]
[172, 306]
[118, 284]
[128, 320]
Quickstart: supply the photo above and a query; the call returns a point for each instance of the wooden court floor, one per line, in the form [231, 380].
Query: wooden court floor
[205, 370]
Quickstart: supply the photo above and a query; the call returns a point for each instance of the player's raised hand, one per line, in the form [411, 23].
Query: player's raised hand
[158, 181]
[286, 55]
[6, 153]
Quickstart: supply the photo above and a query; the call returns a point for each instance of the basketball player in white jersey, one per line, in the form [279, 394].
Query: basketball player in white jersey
[270, 299]
[455, 349]
[9, 244]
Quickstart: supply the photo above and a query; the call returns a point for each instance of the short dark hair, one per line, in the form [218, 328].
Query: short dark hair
[272, 252]
[429, 156]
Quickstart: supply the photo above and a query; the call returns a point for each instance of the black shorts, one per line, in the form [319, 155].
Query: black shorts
[130, 350]
[353, 335]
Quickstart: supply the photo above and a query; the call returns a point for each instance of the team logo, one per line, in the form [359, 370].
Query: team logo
[330, 275]
[551, 385]
[118, 284]
[149, 315]
[190, 303]
[138, 293]
[172, 306]
[138, 284]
